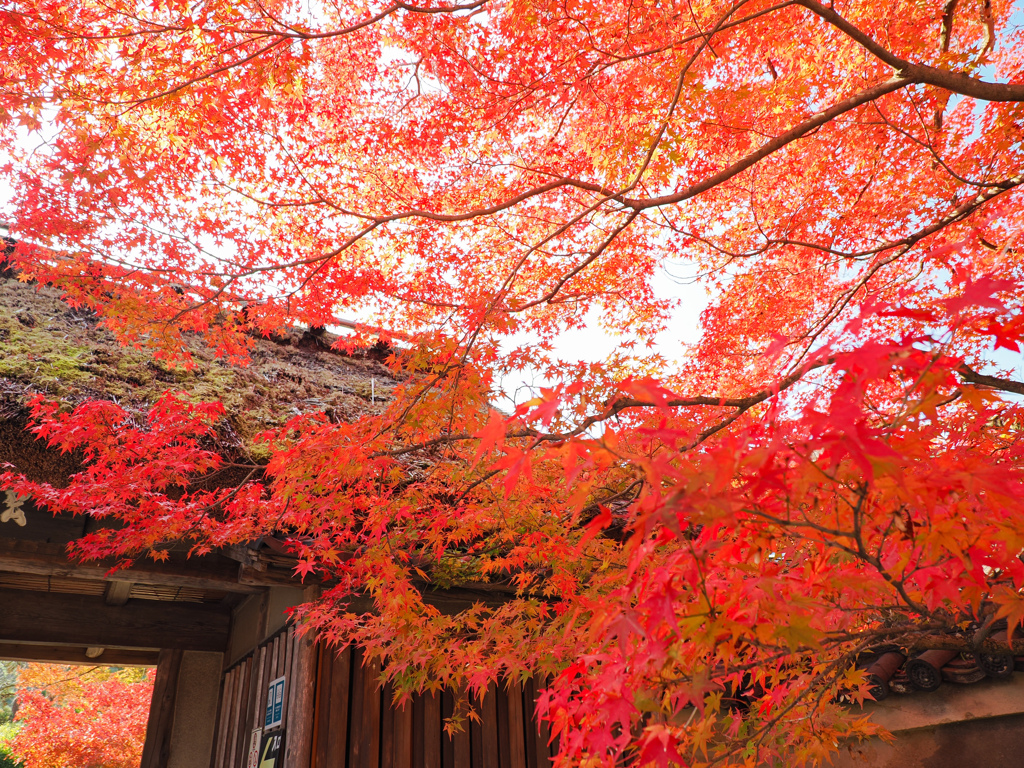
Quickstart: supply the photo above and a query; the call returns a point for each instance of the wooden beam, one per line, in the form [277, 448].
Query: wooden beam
[156, 751]
[51, 560]
[118, 592]
[42, 617]
[271, 577]
[75, 654]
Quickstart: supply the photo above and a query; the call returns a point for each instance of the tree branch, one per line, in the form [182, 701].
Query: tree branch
[956, 82]
[971, 376]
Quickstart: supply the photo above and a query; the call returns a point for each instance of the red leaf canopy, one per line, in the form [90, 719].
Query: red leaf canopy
[696, 545]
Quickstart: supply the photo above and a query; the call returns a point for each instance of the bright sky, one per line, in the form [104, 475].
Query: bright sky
[593, 343]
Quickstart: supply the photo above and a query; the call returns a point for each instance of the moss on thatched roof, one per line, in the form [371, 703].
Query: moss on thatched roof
[48, 348]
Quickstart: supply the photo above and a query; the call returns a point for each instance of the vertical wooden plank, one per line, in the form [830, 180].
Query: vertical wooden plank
[321, 722]
[456, 750]
[273, 647]
[489, 729]
[241, 697]
[418, 714]
[264, 678]
[278, 669]
[550, 739]
[299, 743]
[516, 729]
[371, 714]
[364, 744]
[476, 734]
[223, 721]
[339, 693]
[235, 710]
[388, 730]
[252, 698]
[262, 619]
[272, 673]
[229, 732]
[504, 752]
[217, 758]
[244, 722]
[461, 748]
[447, 745]
[432, 725]
[403, 714]
[545, 749]
[356, 741]
[286, 670]
[536, 747]
[157, 748]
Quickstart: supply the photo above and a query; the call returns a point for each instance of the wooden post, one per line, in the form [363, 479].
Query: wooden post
[240, 737]
[299, 725]
[157, 750]
[288, 645]
[366, 752]
[516, 727]
[431, 729]
[223, 722]
[332, 714]
[402, 735]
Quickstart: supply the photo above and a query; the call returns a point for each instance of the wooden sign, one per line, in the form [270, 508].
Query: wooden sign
[272, 750]
[12, 509]
[21, 519]
[254, 748]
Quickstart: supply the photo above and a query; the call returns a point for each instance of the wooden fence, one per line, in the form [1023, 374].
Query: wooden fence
[336, 715]
[358, 726]
[243, 700]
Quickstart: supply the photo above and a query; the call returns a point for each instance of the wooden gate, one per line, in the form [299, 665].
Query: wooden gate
[244, 700]
[336, 715]
[357, 725]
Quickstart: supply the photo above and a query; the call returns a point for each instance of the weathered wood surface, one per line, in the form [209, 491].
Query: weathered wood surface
[43, 558]
[40, 617]
[245, 692]
[364, 746]
[332, 707]
[157, 749]
[384, 734]
[220, 745]
[243, 724]
[538, 735]
[75, 654]
[337, 715]
[301, 711]
[29, 523]
[516, 726]
[431, 728]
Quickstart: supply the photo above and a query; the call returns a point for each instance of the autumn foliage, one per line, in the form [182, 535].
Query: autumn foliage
[695, 541]
[81, 717]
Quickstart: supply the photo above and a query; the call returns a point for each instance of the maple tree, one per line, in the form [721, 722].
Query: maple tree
[697, 551]
[88, 717]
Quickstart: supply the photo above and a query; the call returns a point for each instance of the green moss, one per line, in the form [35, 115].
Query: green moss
[35, 354]
[364, 390]
[46, 347]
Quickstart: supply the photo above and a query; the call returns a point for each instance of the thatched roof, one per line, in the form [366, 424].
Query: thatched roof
[48, 348]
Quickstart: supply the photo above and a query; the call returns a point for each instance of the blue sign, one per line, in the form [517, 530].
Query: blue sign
[275, 704]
